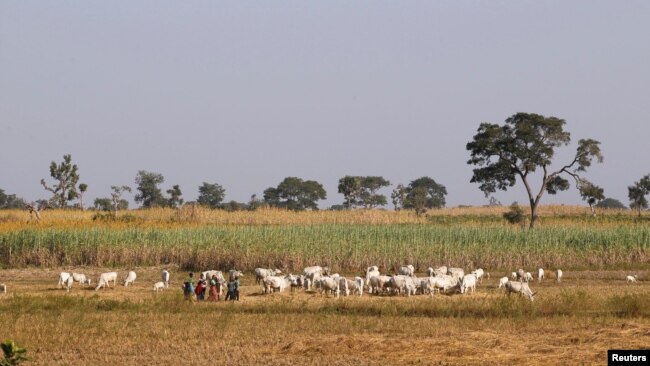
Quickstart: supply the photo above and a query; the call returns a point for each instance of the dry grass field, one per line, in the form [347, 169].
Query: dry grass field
[573, 322]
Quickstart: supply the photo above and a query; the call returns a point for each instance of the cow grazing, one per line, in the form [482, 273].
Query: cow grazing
[158, 286]
[329, 285]
[276, 283]
[130, 278]
[81, 278]
[503, 281]
[105, 278]
[68, 284]
[479, 274]
[521, 288]
[632, 278]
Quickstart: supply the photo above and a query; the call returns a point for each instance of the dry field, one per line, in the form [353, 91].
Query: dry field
[573, 322]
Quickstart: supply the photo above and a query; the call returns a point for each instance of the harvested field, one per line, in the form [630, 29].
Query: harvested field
[573, 322]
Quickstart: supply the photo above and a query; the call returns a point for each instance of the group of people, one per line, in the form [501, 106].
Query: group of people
[197, 292]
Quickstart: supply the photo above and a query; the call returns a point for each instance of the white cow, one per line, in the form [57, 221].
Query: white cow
[468, 282]
[329, 284]
[260, 273]
[529, 277]
[81, 278]
[444, 282]
[402, 284]
[456, 272]
[540, 274]
[358, 285]
[158, 286]
[479, 274]
[345, 285]
[521, 275]
[68, 284]
[442, 270]
[513, 275]
[105, 278]
[276, 283]
[407, 270]
[130, 278]
[558, 275]
[503, 281]
[519, 287]
[377, 283]
[632, 278]
[63, 279]
[313, 274]
[165, 277]
[372, 271]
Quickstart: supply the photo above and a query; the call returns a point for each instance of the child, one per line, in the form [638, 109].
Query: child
[200, 289]
[188, 288]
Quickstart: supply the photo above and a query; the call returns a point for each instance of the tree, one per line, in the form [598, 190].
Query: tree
[611, 203]
[350, 188]
[424, 193]
[515, 215]
[149, 192]
[369, 197]
[362, 191]
[211, 195]
[590, 193]
[66, 177]
[637, 193]
[83, 187]
[175, 194]
[9, 201]
[295, 194]
[103, 204]
[518, 148]
[398, 197]
[116, 198]
[417, 200]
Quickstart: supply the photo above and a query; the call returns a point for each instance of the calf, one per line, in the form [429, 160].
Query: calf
[158, 286]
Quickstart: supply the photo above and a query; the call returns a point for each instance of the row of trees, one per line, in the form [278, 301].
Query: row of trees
[502, 155]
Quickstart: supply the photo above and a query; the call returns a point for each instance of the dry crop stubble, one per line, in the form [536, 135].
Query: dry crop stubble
[569, 323]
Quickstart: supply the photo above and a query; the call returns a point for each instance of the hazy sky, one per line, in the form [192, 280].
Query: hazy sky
[246, 93]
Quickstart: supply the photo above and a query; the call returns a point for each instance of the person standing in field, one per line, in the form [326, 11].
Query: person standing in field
[215, 288]
[232, 288]
[237, 288]
[200, 288]
[188, 288]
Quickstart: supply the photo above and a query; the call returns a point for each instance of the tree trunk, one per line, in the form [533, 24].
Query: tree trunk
[593, 210]
[533, 214]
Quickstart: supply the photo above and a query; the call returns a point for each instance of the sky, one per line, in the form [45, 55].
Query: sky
[246, 93]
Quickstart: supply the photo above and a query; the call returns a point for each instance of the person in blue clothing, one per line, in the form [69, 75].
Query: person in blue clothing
[188, 288]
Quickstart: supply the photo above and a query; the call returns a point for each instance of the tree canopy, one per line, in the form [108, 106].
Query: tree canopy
[424, 193]
[66, 177]
[149, 193]
[211, 195]
[295, 194]
[9, 201]
[516, 149]
[362, 191]
[637, 193]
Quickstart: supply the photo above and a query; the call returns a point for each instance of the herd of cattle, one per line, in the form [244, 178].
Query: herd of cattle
[319, 279]
[405, 282]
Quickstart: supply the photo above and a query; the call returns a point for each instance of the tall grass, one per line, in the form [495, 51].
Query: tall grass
[344, 247]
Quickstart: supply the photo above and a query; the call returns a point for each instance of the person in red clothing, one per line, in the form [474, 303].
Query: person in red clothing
[200, 289]
[215, 288]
